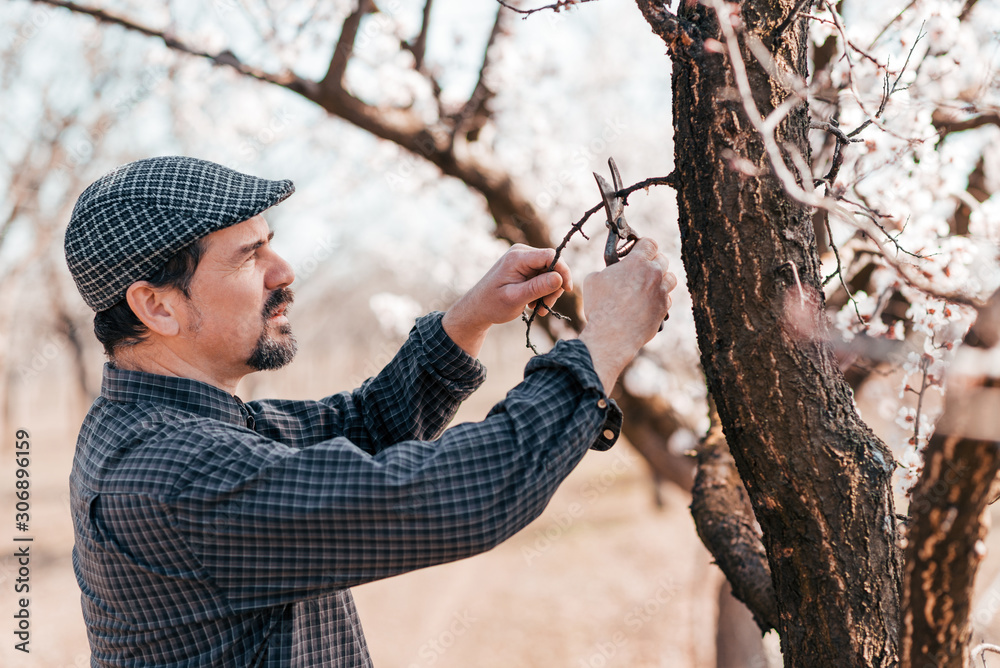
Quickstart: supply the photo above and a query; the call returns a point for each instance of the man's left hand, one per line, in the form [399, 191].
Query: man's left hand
[517, 280]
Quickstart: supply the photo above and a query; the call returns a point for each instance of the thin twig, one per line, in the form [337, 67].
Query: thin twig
[777, 32]
[669, 180]
[924, 363]
[887, 93]
[224, 58]
[980, 650]
[555, 6]
[837, 160]
[858, 49]
[833, 129]
[481, 94]
[840, 272]
[875, 216]
[889, 24]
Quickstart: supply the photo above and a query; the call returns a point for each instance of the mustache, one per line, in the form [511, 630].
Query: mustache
[277, 299]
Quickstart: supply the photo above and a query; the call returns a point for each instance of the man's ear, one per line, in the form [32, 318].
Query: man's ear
[155, 307]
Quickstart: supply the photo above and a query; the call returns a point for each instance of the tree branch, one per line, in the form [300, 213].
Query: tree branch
[726, 525]
[967, 9]
[555, 6]
[475, 113]
[681, 37]
[418, 47]
[783, 26]
[342, 53]
[224, 58]
[946, 122]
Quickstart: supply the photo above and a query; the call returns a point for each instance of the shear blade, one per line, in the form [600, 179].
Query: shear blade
[615, 176]
[612, 204]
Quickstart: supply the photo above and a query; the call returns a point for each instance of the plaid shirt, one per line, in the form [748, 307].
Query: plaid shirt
[210, 532]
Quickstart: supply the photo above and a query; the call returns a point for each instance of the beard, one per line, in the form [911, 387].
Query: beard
[272, 352]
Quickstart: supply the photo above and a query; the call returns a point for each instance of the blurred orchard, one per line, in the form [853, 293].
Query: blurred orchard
[423, 139]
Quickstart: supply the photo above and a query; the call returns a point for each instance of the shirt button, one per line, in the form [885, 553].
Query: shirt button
[608, 434]
[602, 404]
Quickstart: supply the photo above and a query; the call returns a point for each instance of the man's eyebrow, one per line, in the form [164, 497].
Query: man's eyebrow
[252, 246]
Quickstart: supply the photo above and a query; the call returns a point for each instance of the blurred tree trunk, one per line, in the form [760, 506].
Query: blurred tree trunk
[817, 477]
[737, 645]
[949, 505]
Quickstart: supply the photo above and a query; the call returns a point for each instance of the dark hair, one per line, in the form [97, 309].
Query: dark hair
[118, 327]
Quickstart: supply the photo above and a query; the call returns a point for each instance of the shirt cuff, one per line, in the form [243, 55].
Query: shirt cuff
[574, 356]
[444, 355]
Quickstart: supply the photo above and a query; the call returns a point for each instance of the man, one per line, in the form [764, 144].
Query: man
[210, 532]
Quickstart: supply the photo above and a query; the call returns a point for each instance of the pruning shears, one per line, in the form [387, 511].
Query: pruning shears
[621, 237]
[618, 230]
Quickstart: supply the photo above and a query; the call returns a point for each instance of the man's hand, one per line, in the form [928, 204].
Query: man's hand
[517, 280]
[624, 306]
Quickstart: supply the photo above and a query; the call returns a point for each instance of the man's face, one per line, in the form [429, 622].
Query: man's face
[235, 320]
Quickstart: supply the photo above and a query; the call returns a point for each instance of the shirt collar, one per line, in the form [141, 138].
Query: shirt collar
[192, 396]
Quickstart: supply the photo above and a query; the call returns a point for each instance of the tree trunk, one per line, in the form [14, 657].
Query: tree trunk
[948, 507]
[817, 477]
[945, 548]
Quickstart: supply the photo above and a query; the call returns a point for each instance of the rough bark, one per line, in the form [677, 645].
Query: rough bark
[817, 477]
[945, 548]
[947, 510]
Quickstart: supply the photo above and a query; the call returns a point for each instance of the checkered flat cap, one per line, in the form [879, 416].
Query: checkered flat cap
[128, 223]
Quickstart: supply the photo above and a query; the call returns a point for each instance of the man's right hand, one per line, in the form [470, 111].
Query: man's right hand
[624, 305]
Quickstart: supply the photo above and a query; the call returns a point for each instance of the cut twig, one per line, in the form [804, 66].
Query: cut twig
[528, 319]
[555, 6]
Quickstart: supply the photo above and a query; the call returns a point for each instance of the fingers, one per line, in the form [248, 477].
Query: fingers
[671, 281]
[645, 248]
[532, 276]
[542, 285]
[563, 270]
[530, 261]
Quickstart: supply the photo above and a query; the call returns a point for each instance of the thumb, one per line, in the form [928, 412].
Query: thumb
[645, 248]
[539, 286]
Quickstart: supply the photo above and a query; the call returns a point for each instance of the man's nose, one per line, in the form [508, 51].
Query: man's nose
[280, 274]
